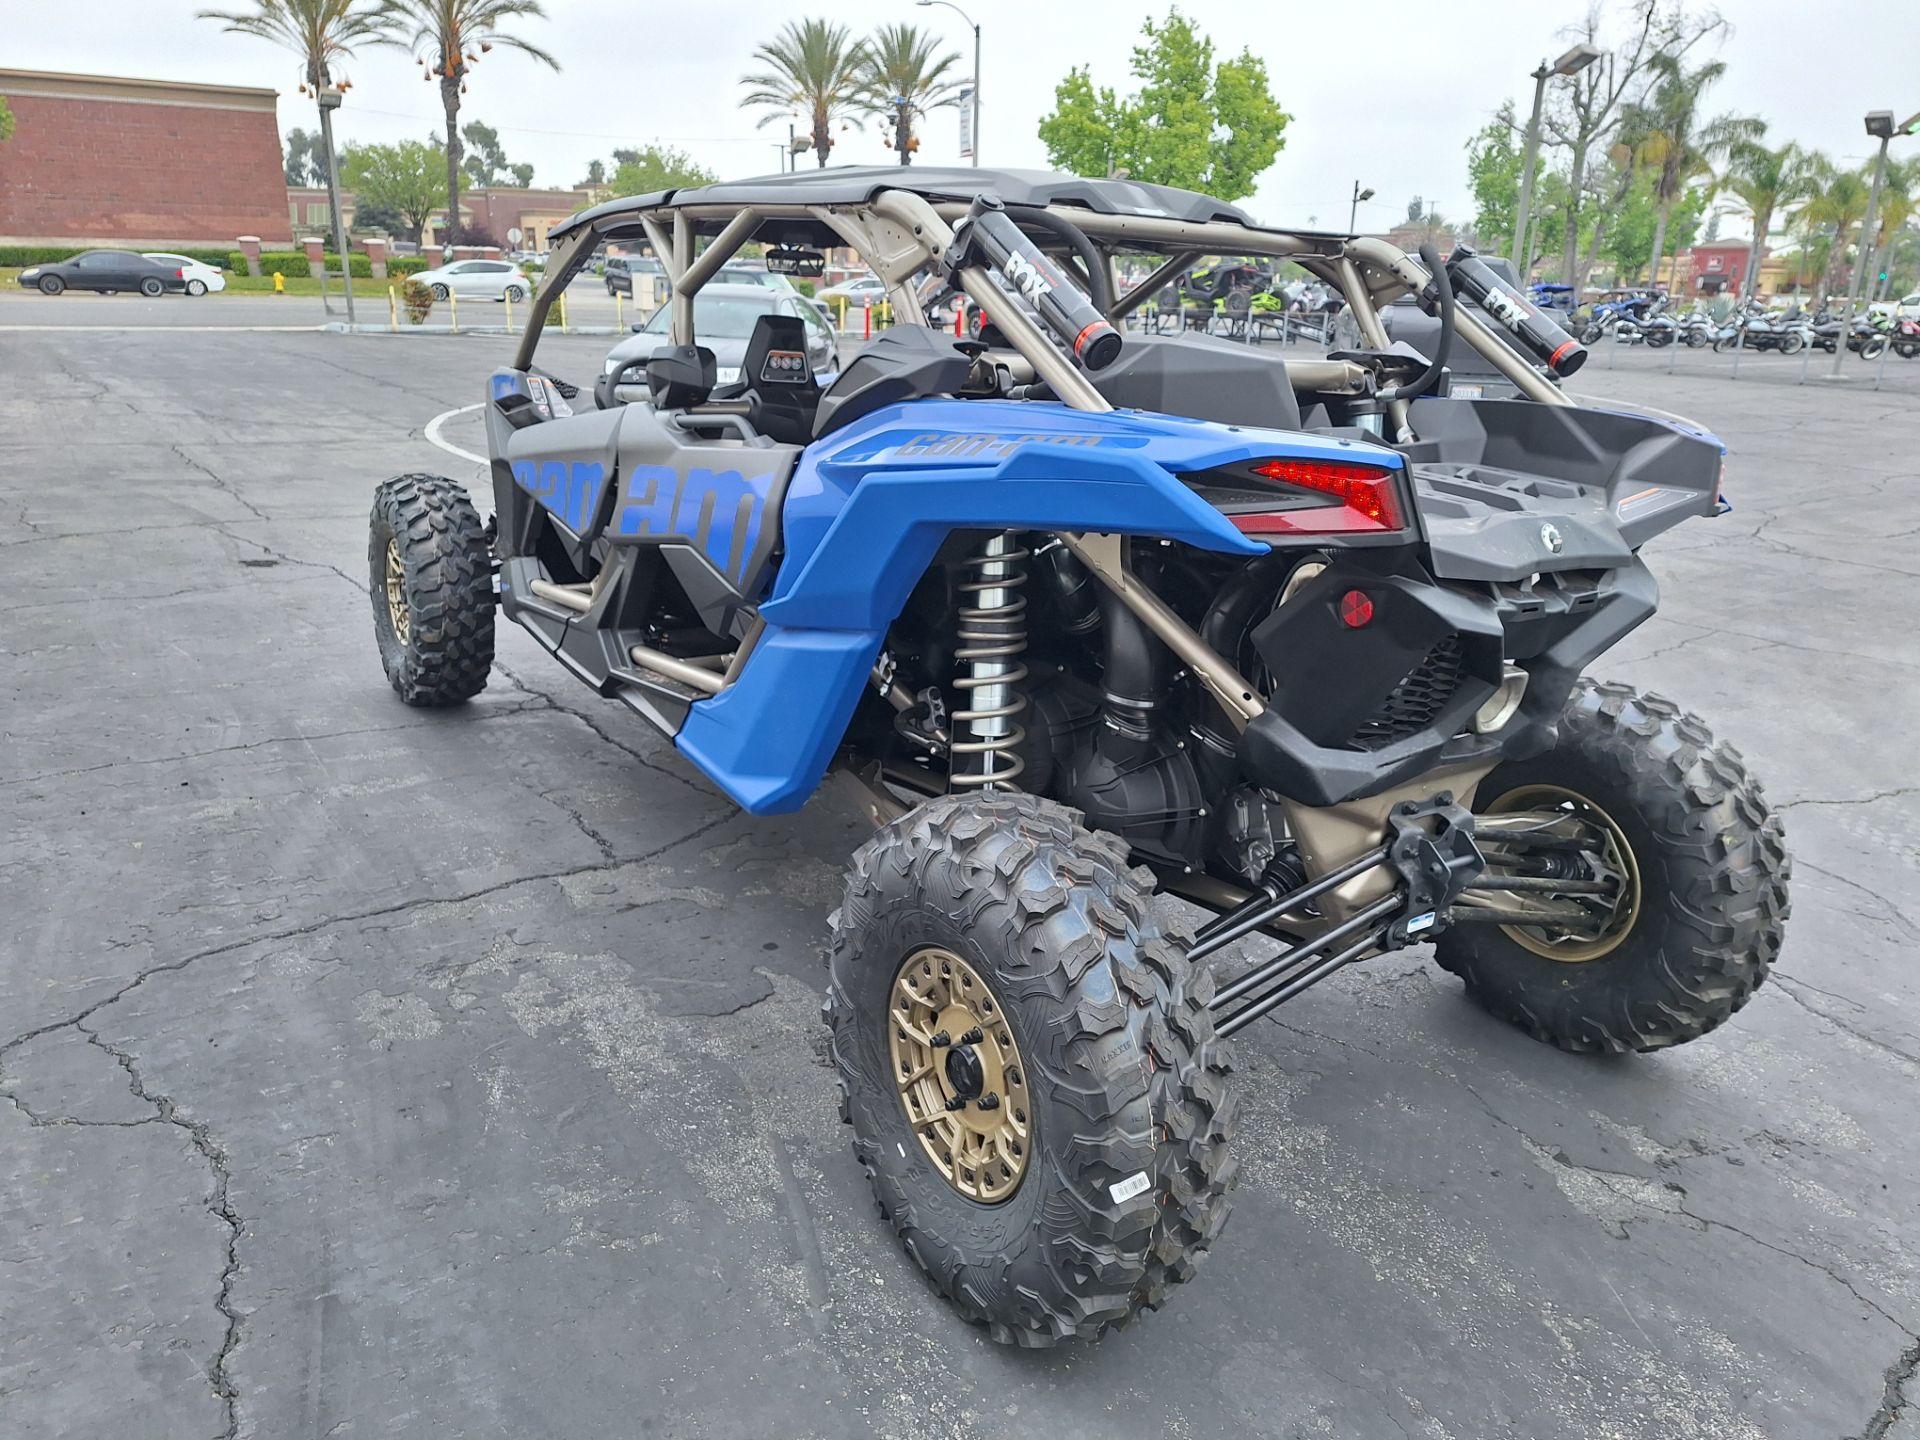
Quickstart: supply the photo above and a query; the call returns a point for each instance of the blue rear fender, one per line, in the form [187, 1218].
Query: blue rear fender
[867, 510]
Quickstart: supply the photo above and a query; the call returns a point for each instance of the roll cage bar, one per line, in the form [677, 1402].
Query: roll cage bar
[899, 232]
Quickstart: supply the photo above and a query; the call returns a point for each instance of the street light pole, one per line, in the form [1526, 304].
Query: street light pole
[1353, 210]
[976, 67]
[1525, 213]
[1571, 63]
[1880, 126]
[330, 102]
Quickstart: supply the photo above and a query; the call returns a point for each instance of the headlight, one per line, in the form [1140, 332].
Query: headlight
[612, 365]
[726, 374]
[29, 274]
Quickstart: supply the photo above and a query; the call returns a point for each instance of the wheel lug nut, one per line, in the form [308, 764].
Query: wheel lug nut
[956, 1103]
[972, 1037]
[988, 1101]
[939, 1040]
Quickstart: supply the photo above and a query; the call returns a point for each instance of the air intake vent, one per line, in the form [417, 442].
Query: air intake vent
[1416, 701]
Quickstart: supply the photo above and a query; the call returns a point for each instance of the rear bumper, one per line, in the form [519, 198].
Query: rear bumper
[1410, 682]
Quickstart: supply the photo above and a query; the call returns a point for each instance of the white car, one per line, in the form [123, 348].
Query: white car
[1907, 308]
[477, 280]
[201, 277]
[862, 290]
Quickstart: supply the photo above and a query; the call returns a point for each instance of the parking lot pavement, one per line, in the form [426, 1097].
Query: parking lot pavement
[376, 1071]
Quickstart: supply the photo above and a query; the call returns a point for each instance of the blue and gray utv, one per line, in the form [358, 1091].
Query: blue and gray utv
[1075, 612]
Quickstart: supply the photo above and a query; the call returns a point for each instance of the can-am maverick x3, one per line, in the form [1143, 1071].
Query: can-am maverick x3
[1074, 613]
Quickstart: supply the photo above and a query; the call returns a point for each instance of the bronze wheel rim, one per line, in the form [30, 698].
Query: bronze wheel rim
[1613, 858]
[959, 1074]
[397, 592]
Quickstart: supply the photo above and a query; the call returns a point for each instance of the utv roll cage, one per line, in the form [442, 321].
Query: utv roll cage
[902, 222]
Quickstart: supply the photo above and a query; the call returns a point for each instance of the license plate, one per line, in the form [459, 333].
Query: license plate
[1468, 392]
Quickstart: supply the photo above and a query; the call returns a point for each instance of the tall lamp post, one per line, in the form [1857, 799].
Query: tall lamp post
[975, 127]
[1353, 210]
[330, 102]
[1879, 125]
[1571, 63]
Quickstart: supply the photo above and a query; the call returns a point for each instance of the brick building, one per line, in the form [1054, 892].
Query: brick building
[99, 160]
[490, 211]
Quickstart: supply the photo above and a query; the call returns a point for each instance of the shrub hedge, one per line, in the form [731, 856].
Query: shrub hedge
[47, 254]
[293, 263]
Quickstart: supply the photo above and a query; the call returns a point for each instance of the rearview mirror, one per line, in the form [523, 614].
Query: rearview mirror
[787, 260]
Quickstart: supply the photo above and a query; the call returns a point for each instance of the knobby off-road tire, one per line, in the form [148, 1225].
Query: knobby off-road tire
[1127, 1177]
[1713, 871]
[432, 581]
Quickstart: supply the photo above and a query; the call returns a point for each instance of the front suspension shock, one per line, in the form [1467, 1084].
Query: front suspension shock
[991, 626]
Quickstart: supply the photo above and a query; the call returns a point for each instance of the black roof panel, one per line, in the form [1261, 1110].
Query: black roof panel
[857, 184]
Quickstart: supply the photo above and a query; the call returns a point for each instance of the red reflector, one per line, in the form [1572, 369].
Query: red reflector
[1364, 491]
[1356, 609]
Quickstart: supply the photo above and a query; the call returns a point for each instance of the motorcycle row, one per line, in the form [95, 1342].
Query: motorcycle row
[1647, 320]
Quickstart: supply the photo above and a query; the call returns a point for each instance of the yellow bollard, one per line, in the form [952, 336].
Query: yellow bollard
[393, 309]
[279, 283]
[453, 299]
[843, 311]
[619, 311]
[507, 300]
[563, 312]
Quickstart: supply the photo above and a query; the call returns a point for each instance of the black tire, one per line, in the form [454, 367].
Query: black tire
[1726, 343]
[1659, 339]
[1698, 339]
[515, 293]
[1713, 869]
[444, 585]
[1129, 1087]
[151, 287]
[196, 288]
[51, 285]
[440, 292]
[1793, 342]
[1906, 349]
[1873, 347]
[1591, 335]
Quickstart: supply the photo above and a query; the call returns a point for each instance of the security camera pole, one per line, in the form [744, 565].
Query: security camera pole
[1571, 63]
[330, 102]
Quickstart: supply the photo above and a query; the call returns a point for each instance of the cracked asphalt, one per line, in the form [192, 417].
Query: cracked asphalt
[380, 1072]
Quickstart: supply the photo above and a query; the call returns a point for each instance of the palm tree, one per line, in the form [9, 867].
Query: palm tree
[1673, 141]
[1764, 181]
[902, 78]
[815, 68]
[1839, 201]
[323, 33]
[1899, 200]
[448, 39]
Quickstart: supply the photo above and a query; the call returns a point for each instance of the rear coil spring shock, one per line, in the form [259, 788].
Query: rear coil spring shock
[992, 630]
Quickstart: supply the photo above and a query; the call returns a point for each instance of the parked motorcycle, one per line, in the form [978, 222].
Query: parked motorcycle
[1863, 338]
[1754, 327]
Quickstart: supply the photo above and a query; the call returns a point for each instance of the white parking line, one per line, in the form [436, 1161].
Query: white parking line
[433, 434]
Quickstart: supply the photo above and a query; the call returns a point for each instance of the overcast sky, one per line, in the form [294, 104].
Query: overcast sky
[1393, 111]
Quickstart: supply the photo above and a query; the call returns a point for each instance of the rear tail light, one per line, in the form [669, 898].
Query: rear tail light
[1285, 497]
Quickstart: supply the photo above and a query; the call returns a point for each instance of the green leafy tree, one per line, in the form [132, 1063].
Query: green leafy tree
[1673, 140]
[1764, 181]
[322, 34]
[449, 38]
[1635, 221]
[813, 70]
[1493, 174]
[651, 168]
[295, 156]
[1193, 124]
[1585, 112]
[6, 119]
[389, 180]
[486, 160]
[596, 173]
[904, 78]
[1839, 204]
